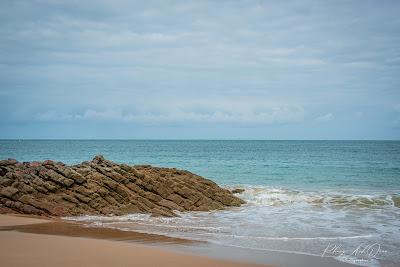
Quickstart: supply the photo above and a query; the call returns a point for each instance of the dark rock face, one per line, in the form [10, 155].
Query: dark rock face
[101, 186]
[237, 191]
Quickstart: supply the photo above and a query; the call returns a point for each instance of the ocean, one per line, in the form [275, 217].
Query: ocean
[337, 199]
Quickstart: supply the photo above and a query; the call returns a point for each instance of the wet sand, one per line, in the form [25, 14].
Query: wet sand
[27, 241]
[73, 229]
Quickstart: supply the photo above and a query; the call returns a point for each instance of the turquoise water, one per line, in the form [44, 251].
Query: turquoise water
[302, 196]
[361, 164]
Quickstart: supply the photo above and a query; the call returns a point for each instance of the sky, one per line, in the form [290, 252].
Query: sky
[199, 69]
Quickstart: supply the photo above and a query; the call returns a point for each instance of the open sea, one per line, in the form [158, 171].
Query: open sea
[337, 199]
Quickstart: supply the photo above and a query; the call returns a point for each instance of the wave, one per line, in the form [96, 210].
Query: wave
[259, 195]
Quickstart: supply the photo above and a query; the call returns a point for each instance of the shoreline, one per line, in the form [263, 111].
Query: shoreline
[99, 246]
[19, 247]
[60, 227]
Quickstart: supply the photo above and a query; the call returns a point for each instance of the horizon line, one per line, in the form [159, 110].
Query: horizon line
[180, 139]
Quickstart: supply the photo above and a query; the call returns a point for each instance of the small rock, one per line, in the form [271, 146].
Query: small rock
[237, 191]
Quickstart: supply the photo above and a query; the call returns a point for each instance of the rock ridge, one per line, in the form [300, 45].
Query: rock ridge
[103, 187]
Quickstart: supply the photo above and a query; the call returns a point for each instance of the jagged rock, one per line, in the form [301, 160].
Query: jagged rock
[5, 181]
[9, 191]
[49, 174]
[101, 186]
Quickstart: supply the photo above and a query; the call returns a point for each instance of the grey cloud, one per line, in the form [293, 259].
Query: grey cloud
[199, 62]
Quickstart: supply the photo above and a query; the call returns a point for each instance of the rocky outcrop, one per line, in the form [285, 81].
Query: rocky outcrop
[101, 186]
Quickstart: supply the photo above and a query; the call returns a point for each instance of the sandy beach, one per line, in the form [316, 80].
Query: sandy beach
[27, 249]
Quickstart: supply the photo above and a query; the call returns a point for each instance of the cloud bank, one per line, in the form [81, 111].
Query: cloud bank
[266, 70]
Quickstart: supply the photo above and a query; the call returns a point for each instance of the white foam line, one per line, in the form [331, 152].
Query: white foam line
[291, 238]
[169, 226]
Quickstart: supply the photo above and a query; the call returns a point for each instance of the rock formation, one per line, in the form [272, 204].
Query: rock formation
[103, 187]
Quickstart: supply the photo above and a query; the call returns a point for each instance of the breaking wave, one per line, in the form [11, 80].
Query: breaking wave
[278, 197]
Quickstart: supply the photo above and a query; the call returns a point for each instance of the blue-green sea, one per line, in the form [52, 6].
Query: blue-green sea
[302, 196]
[366, 164]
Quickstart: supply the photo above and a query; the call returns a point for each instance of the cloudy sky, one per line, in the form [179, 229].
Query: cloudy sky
[200, 69]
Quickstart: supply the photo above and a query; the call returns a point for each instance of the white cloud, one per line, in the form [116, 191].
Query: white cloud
[200, 114]
[52, 115]
[325, 117]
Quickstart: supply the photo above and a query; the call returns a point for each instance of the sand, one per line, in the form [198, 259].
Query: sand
[12, 220]
[21, 248]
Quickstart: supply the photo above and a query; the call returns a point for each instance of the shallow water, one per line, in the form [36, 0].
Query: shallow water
[303, 197]
[287, 221]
